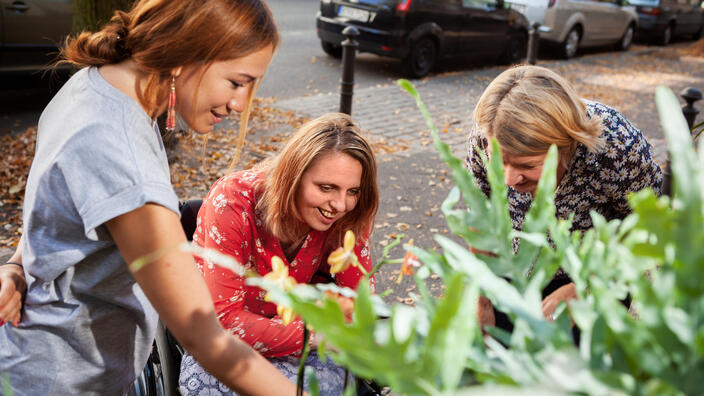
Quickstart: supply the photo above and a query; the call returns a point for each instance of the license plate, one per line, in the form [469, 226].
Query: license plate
[353, 13]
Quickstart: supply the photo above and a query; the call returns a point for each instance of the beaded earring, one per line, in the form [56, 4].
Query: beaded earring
[171, 110]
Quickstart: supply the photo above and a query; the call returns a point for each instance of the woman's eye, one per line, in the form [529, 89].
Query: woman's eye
[325, 188]
[353, 192]
[235, 84]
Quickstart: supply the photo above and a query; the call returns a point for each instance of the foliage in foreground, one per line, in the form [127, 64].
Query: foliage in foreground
[437, 347]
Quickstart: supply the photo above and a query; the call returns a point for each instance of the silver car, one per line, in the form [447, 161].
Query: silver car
[31, 32]
[573, 24]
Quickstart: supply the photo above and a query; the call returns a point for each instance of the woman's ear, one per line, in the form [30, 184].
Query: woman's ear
[176, 71]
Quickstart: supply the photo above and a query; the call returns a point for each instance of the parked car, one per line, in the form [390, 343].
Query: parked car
[573, 24]
[31, 31]
[420, 32]
[664, 19]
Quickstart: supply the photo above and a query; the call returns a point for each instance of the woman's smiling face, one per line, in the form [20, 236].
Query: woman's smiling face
[205, 97]
[329, 189]
[523, 172]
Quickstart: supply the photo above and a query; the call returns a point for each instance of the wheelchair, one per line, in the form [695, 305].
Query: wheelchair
[160, 375]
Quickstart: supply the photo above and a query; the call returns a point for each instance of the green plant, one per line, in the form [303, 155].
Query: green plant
[436, 346]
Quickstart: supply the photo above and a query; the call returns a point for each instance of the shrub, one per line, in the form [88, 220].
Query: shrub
[436, 347]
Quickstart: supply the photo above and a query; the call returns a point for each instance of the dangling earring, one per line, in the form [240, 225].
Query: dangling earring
[171, 110]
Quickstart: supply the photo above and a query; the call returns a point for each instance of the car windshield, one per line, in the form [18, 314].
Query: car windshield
[649, 3]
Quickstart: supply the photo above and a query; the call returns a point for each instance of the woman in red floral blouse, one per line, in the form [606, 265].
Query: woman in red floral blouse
[296, 206]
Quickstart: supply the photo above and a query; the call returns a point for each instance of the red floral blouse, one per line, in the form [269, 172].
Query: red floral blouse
[229, 222]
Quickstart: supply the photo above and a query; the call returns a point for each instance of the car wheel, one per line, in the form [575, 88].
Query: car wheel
[666, 36]
[626, 39]
[421, 58]
[571, 43]
[698, 34]
[331, 49]
[515, 49]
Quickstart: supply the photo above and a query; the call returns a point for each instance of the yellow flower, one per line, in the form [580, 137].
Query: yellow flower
[279, 276]
[344, 256]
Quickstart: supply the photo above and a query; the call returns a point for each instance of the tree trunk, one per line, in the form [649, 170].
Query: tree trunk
[93, 14]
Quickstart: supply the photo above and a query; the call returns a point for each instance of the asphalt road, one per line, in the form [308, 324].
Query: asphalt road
[301, 67]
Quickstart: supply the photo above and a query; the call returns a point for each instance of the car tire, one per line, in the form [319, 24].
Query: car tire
[421, 58]
[698, 34]
[331, 49]
[627, 39]
[571, 43]
[666, 36]
[516, 49]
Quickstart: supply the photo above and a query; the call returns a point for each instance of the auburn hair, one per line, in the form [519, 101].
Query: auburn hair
[529, 108]
[161, 35]
[282, 174]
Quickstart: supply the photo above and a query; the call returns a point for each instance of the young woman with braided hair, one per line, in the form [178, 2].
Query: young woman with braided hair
[99, 196]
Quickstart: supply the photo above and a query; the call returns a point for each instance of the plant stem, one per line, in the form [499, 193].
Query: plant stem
[302, 364]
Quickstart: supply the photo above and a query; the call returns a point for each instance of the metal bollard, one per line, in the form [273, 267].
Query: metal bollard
[533, 41]
[690, 95]
[349, 49]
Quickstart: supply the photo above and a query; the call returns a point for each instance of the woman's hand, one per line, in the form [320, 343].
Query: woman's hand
[550, 303]
[12, 287]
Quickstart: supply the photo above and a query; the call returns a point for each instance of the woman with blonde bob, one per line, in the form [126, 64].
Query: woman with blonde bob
[295, 206]
[602, 156]
[99, 196]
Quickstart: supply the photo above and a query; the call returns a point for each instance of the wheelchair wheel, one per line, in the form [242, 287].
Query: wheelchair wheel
[149, 382]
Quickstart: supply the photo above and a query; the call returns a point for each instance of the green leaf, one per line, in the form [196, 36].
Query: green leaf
[313, 388]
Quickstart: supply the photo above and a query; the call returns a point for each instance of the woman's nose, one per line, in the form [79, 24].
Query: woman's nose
[338, 203]
[238, 101]
[512, 176]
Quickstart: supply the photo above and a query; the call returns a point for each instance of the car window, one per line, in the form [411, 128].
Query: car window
[391, 3]
[477, 3]
[442, 2]
[647, 3]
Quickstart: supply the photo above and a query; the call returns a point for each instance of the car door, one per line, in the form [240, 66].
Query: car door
[486, 27]
[602, 21]
[447, 14]
[688, 16]
[33, 29]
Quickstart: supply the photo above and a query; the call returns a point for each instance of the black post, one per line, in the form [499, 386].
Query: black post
[533, 41]
[349, 49]
[690, 95]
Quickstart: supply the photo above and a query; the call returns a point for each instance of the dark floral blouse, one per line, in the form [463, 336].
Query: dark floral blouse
[594, 181]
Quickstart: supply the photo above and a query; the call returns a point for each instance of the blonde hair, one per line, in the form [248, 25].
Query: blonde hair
[161, 35]
[529, 108]
[330, 133]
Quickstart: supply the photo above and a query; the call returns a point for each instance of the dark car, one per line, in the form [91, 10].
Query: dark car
[31, 32]
[664, 19]
[422, 31]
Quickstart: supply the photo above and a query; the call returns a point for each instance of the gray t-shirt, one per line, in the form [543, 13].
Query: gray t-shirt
[87, 326]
